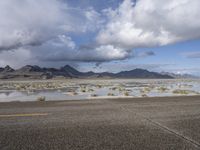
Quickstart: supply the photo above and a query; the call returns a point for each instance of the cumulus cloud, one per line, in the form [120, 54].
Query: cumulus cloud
[148, 23]
[64, 49]
[102, 53]
[30, 22]
[48, 29]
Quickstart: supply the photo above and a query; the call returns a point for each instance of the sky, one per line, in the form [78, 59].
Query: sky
[106, 35]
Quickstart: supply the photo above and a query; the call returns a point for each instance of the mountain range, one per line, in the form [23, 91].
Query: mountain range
[180, 76]
[36, 72]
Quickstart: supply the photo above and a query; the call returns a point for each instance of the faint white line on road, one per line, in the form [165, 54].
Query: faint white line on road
[23, 115]
[177, 134]
[174, 132]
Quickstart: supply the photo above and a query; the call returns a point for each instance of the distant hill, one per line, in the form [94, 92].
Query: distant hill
[141, 73]
[36, 72]
[180, 76]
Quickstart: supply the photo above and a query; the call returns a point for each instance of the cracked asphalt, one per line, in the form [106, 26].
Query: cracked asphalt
[170, 123]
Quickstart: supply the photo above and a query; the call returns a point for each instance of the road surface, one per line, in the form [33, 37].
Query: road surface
[109, 124]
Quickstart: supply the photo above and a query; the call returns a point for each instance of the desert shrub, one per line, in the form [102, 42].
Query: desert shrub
[144, 95]
[21, 87]
[110, 94]
[99, 86]
[41, 98]
[184, 92]
[142, 91]
[83, 89]
[126, 93]
[75, 93]
[121, 89]
[90, 90]
[147, 89]
[94, 95]
[113, 88]
[163, 89]
[181, 92]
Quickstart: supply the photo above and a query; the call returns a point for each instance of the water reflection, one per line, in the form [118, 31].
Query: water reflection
[83, 89]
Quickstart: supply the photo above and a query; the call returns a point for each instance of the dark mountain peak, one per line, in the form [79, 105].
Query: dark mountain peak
[29, 68]
[67, 68]
[1, 69]
[8, 69]
[134, 71]
[70, 70]
[139, 69]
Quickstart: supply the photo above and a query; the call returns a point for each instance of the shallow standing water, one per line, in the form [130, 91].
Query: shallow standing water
[80, 89]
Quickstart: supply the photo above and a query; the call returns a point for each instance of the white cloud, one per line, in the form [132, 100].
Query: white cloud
[16, 58]
[46, 29]
[64, 49]
[151, 23]
[102, 53]
[30, 22]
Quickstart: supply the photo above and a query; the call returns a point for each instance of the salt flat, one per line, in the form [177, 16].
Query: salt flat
[134, 123]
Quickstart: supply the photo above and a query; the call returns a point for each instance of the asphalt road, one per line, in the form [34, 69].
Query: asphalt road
[113, 124]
